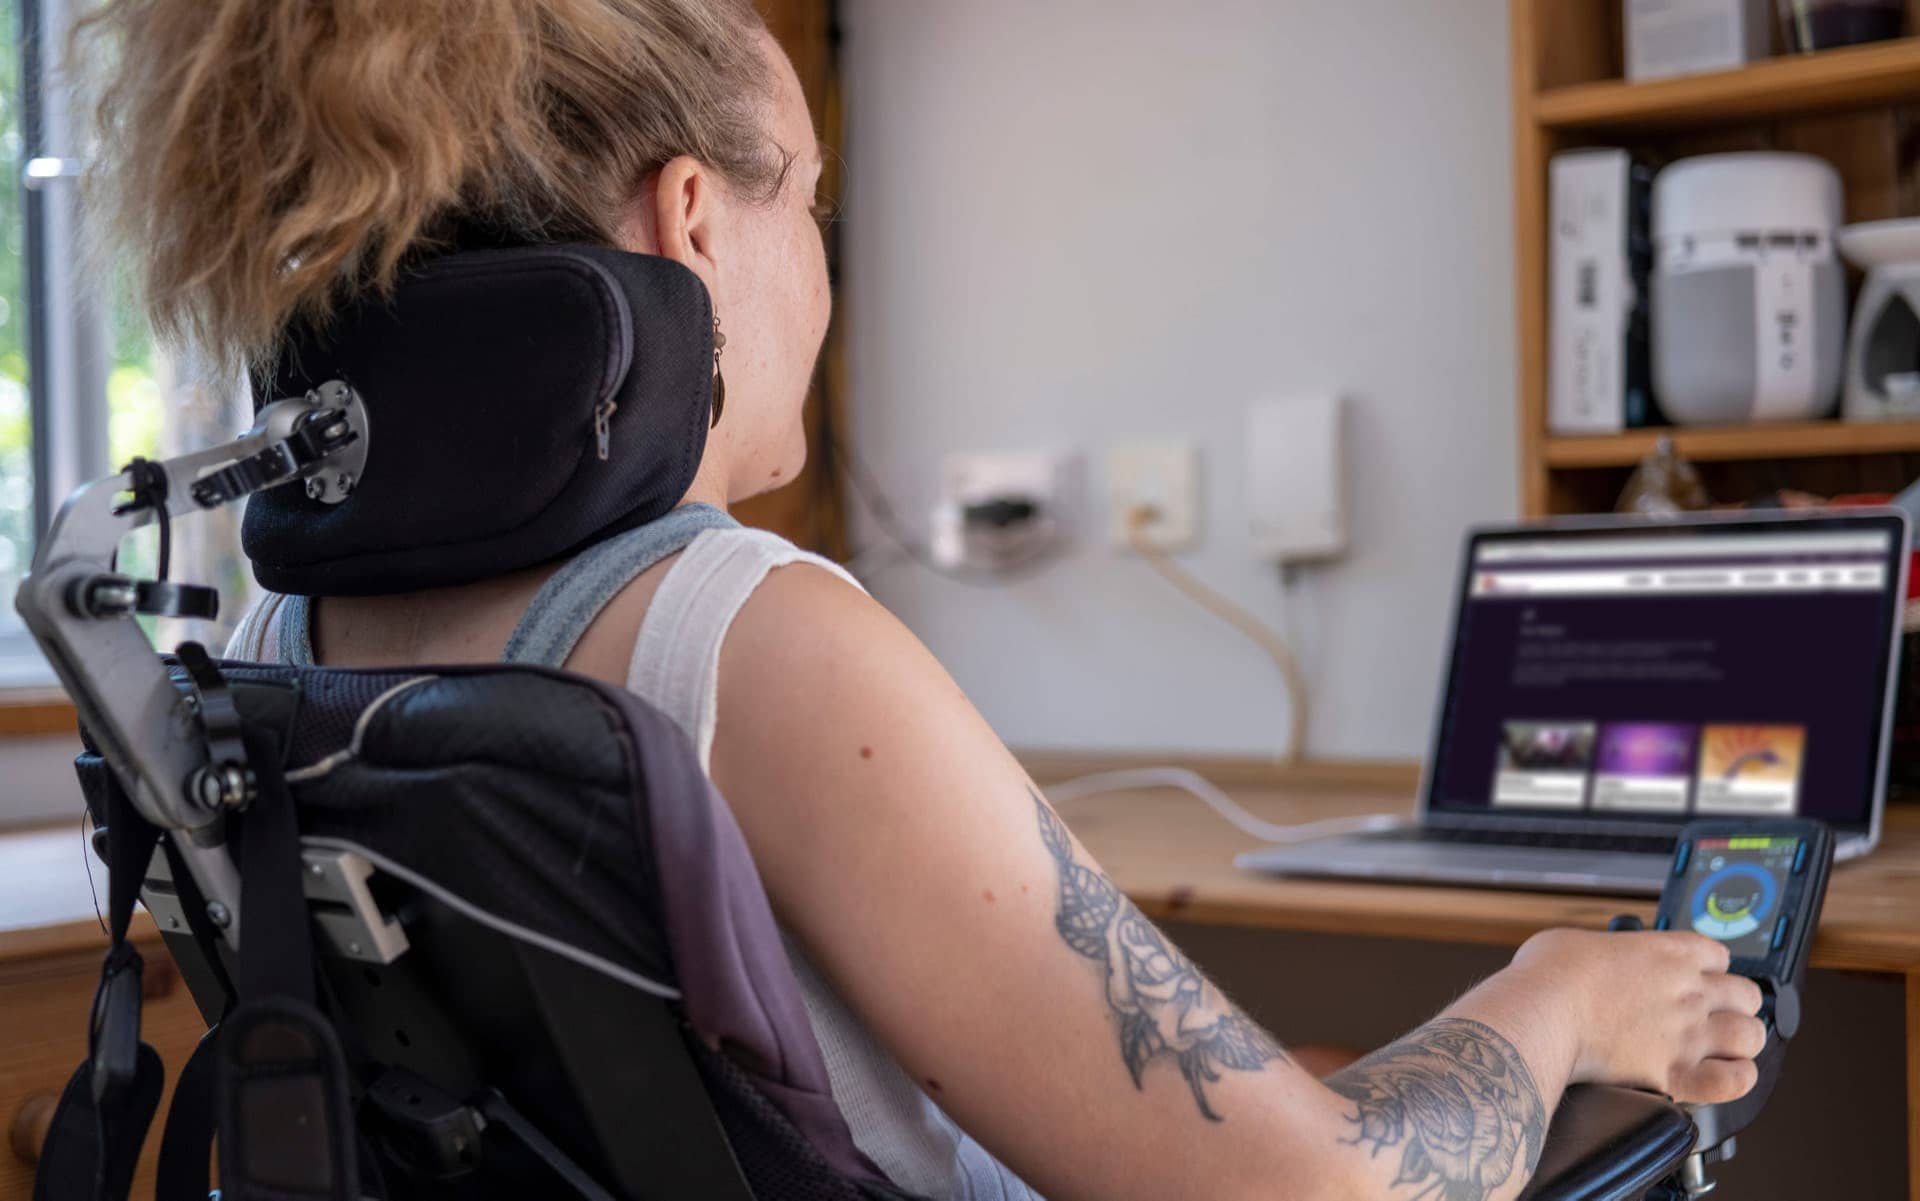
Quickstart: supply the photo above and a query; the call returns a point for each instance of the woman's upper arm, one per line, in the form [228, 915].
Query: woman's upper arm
[907, 851]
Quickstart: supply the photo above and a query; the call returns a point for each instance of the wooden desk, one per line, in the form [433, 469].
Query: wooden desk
[1174, 857]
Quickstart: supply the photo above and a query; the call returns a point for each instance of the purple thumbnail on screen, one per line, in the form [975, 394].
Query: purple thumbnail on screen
[1646, 748]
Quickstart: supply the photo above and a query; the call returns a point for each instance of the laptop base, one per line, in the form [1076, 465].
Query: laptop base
[1395, 857]
[1372, 857]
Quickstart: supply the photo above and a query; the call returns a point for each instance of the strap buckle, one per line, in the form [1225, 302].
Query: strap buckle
[114, 1037]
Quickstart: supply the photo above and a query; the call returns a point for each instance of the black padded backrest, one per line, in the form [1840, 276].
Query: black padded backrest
[551, 804]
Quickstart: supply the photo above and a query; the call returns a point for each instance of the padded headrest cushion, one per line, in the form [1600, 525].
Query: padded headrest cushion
[482, 375]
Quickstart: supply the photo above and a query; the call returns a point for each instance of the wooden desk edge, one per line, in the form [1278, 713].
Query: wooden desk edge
[1437, 926]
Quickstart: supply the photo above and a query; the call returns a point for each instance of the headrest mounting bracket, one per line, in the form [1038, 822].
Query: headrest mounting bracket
[334, 482]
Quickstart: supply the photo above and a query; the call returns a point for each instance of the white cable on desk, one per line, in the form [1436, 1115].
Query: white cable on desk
[1198, 785]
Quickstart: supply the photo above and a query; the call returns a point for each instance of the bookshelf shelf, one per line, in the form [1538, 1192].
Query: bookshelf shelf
[1831, 80]
[1740, 443]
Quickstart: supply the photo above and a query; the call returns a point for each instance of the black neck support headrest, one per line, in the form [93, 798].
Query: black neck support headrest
[490, 379]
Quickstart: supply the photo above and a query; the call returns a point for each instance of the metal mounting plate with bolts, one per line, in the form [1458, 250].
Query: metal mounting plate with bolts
[1165, 476]
[334, 482]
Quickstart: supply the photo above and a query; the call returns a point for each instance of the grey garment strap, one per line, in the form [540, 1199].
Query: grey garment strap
[570, 599]
[296, 631]
[573, 596]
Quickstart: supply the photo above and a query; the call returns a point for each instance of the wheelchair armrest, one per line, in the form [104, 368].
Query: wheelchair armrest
[1609, 1144]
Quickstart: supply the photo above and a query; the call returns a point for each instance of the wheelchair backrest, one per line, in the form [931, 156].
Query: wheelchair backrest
[530, 905]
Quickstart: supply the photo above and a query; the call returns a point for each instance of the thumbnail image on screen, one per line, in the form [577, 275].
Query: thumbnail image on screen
[1750, 769]
[1544, 764]
[1734, 890]
[1644, 766]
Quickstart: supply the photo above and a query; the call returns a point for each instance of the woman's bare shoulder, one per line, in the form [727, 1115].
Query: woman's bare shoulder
[808, 630]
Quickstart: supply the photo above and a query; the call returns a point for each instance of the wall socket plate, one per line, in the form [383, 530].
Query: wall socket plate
[1050, 480]
[1164, 475]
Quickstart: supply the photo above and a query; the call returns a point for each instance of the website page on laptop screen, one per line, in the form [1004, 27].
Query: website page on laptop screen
[1668, 675]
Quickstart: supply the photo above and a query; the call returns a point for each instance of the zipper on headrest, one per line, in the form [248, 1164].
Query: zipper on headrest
[603, 428]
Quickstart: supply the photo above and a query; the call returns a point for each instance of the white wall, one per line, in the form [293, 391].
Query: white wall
[1074, 222]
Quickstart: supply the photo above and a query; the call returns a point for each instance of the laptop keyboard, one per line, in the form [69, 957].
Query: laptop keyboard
[1566, 840]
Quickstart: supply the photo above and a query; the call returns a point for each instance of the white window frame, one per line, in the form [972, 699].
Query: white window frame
[67, 342]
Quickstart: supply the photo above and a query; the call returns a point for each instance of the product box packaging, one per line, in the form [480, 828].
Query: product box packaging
[1599, 257]
[1682, 37]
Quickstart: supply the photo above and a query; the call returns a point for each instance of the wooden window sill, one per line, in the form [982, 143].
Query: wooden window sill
[36, 712]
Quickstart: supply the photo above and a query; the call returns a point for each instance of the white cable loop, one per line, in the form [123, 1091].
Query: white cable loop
[1194, 783]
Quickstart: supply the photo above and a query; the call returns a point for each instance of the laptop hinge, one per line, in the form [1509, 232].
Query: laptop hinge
[1582, 824]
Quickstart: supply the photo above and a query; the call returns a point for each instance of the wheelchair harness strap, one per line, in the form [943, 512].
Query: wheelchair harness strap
[271, 1073]
[94, 1141]
[281, 1087]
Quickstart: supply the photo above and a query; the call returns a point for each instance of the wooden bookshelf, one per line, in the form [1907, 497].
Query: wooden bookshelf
[1857, 107]
[1737, 443]
[1858, 76]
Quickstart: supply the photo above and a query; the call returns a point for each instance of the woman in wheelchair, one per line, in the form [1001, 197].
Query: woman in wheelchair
[997, 1019]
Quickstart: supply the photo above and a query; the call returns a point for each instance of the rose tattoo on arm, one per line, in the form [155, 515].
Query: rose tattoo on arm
[1457, 1100]
[1164, 1007]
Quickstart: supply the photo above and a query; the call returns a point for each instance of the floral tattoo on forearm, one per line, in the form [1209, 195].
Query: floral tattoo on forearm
[1459, 1102]
[1164, 1006]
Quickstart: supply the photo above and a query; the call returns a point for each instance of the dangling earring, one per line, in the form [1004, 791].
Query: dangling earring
[719, 381]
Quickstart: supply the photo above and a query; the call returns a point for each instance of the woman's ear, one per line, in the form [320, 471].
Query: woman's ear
[686, 213]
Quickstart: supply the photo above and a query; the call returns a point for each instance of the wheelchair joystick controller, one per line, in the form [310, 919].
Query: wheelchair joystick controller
[1757, 885]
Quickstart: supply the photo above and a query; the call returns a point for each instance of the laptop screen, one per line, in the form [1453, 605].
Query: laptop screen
[1657, 673]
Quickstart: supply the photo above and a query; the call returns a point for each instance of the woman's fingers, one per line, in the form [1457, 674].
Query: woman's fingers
[1715, 1080]
[1730, 1038]
[1712, 955]
[1733, 1035]
[1736, 993]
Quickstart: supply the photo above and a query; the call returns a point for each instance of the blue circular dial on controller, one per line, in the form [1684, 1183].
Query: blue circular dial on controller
[1733, 902]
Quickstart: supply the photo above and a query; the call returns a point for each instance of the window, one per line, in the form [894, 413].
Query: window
[16, 420]
[83, 389]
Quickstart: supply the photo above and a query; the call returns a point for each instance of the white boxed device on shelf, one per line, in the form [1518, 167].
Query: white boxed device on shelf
[1598, 258]
[1749, 298]
[1683, 37]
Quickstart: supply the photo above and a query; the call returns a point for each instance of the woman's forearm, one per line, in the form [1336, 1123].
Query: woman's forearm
[1463, 1101]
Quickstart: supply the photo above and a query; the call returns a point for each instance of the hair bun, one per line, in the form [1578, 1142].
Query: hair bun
[264, 160]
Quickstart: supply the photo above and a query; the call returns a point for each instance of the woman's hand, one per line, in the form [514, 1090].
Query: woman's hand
[1656, 1009]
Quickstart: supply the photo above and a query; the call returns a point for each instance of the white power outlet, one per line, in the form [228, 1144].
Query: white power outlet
[1047, 480]
[1164, 476]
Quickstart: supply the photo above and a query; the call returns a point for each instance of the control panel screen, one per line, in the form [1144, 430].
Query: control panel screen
[1736, 888]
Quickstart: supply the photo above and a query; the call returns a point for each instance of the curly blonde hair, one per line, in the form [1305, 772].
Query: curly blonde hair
[262, 160]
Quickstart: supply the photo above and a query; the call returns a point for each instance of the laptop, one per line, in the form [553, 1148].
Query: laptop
[1609, 680]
